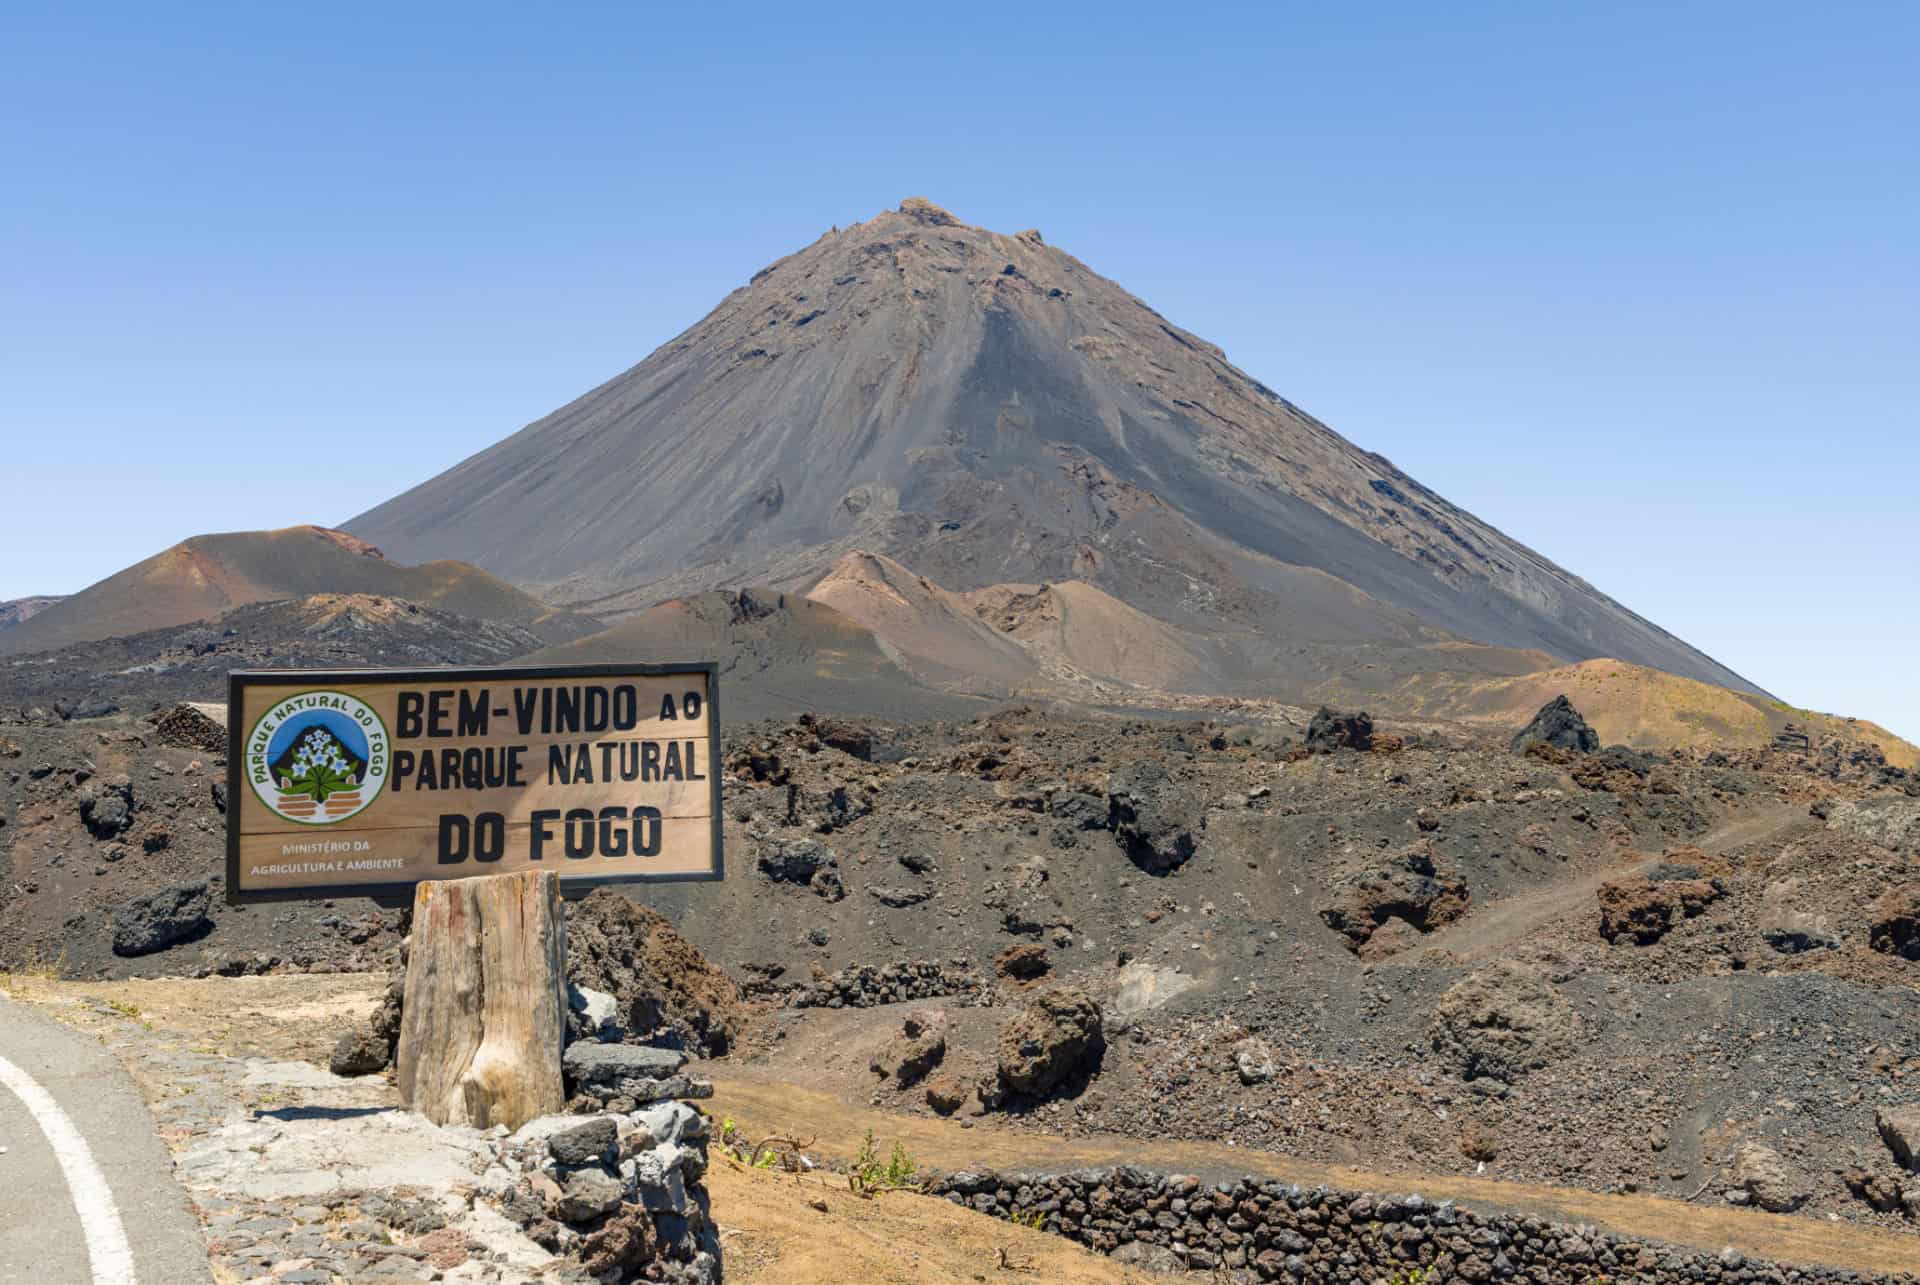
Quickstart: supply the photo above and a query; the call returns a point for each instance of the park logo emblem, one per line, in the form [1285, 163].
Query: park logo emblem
[317, 758]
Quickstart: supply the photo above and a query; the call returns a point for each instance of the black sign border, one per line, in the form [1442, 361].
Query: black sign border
[401, 894]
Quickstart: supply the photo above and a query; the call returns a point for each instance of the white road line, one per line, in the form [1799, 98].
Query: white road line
[107, 1247]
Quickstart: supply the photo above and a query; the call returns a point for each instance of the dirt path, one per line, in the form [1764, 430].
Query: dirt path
[1497, 927]
[772, 1230]
[769, 1106]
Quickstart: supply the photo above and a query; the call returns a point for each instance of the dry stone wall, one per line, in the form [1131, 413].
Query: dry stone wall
[1271, 1231]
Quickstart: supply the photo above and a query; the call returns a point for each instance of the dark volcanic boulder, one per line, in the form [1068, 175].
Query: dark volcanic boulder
[107, 807]
[1074, 812]
[795, 860]
[1055, 1037]
[1156, 821]
[1558, 724]
[1331, 730]
[161, 919]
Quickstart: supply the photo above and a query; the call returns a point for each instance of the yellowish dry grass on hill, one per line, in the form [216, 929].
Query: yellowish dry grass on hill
[1633, 705]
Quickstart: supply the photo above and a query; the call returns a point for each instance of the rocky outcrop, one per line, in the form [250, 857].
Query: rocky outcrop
[1411, 890]
[1501, 1022]
[1893, 922]
[1559, 725]
[1644, 909]
[1900, 1129]
[1156, 821]
[1023, 962]
[167, 917]
[665, 990]
[1613, 770]
[867, 985]
[916, 1050]
[1789, 924]
[1056, 1037]
[1331, 730]
[1891, 822]
[1258, 1230]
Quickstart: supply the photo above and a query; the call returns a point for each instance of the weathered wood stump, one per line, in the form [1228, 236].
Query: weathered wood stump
[484, 1012]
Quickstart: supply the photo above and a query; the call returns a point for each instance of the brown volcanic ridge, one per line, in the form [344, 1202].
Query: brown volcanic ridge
[206, 575]
[1012, 471]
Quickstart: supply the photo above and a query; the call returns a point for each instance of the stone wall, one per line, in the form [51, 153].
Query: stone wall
[616, 1183]
[1270, 1231]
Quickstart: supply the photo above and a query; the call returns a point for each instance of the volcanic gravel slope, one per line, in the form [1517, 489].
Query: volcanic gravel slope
[985, 409]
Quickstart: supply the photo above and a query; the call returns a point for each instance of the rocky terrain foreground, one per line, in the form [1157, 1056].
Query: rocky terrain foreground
[1114, 977]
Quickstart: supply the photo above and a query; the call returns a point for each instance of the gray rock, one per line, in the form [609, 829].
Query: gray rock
[600, 1010]
[1890, 822]
[670, 1122]
[163, 918]
[587, 1194]
[1768, 1180]
[594, 1142]
[660, 1177]
[1788, 926]
[1156, 822]
[1900, 1130]
[610, 1064]
[359, 1052]
[1254, 1061]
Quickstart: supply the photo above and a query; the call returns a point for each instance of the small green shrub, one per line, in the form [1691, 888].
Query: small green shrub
[870, 1174]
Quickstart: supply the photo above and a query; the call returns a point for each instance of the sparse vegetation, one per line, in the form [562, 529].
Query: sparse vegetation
[1031, 1219]
[870, 1175]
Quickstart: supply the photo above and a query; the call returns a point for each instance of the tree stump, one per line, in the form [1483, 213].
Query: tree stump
[484, 1012]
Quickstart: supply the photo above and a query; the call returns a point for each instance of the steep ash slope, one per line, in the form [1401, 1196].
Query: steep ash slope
[985, 409]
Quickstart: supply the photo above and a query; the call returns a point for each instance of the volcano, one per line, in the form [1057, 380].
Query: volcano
[984, 410]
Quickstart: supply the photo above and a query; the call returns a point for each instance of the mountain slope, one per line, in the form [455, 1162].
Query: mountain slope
[202, 577]
[779, 655]
[17, 611]
[985, 409]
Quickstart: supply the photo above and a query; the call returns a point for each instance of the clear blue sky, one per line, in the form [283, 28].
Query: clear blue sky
[1636, 283]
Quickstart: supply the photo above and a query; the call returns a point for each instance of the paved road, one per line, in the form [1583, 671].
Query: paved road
[89, 1194]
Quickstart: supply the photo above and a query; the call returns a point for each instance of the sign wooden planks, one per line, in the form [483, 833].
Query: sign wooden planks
[368, 782]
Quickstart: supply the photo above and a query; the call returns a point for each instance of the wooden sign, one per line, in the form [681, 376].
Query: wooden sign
[367, 782]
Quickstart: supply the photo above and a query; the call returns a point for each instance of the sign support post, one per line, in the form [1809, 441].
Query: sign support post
[483, 1016]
